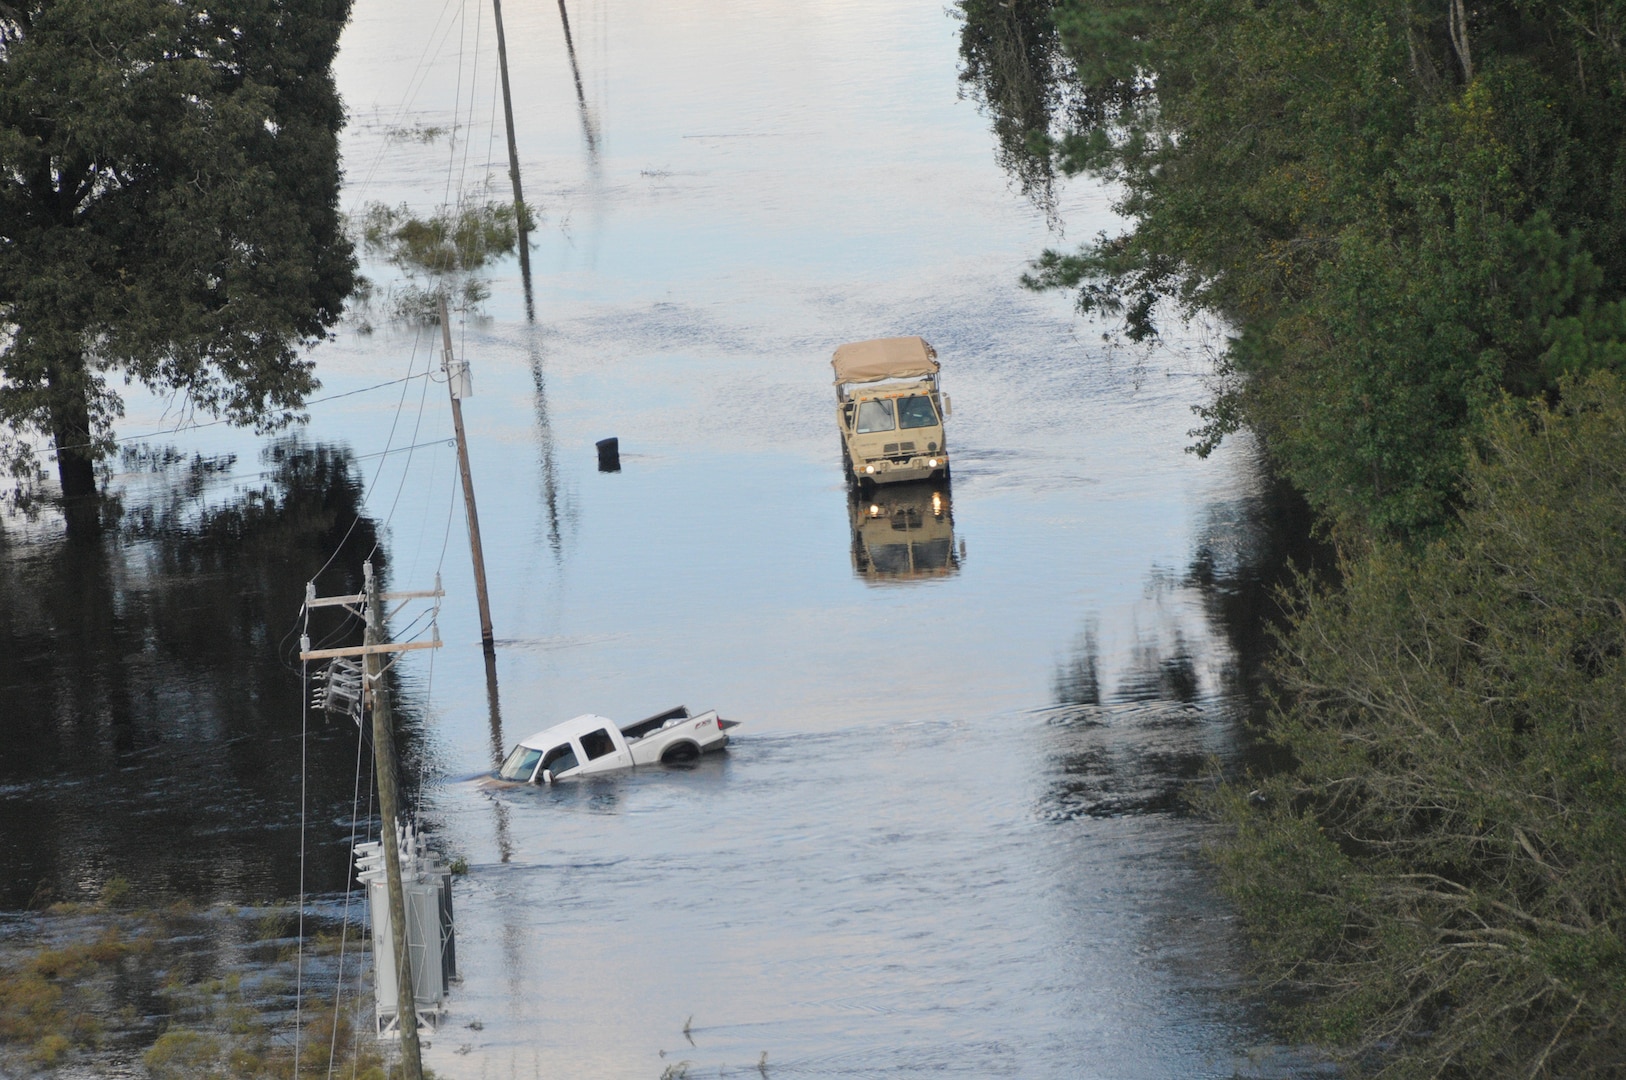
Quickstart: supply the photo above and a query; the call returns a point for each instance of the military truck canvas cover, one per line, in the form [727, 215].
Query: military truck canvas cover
[884, 358]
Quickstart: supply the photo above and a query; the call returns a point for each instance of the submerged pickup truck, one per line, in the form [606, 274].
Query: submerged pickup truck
[591, 744]
[890, 410]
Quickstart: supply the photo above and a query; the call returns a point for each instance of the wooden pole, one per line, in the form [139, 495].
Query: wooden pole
[475, 549]
[521, 215]
[406, 1012]
[508, 116]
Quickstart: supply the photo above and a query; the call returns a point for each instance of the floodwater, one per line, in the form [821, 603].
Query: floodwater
[947, 838]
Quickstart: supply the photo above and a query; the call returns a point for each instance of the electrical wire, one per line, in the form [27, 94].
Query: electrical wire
[457, 102]
[420, 75]
[416, 426]
[344, 921]
[474, 79]
[412, 362]
[51, 453]
[304, 744]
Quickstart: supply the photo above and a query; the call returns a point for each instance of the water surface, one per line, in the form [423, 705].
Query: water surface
[947, 838]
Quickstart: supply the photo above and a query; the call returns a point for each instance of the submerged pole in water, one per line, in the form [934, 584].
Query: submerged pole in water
[406, 1012]
[459, 385]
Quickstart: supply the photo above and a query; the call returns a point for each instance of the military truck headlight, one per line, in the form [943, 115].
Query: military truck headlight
[869, 470]
[931, 463]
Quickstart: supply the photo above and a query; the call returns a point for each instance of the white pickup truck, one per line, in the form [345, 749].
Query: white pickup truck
[592, 744]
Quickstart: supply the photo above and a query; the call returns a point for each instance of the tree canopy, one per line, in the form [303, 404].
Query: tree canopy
[1403, 207]
[1442, 872]
[169, 180]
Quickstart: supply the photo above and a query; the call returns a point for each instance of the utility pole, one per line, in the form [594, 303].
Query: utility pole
[459, 384]
[521, 215]
[372, 650]
[508, 117]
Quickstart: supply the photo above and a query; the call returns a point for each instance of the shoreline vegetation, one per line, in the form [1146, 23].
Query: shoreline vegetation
[181, 991]
[1410, 213]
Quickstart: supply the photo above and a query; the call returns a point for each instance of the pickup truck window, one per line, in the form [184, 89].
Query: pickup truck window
[598, 743]
[521, 764]
[874, 416]
[916, 412]
[559, 759]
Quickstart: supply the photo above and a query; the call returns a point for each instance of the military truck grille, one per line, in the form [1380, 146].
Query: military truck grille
[890, 448]
[907, 448]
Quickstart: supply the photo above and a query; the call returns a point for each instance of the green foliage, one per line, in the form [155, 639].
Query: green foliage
[117, 892]
[60, 999]
[178, 1055]
[1443, 870]
[444, 252]
[42, 999]
[1400, 213]
[168, 207]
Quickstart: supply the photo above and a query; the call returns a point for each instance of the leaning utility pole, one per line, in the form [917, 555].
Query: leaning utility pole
[459, 384]
[384, 767]
[508, 117]
[522, 216]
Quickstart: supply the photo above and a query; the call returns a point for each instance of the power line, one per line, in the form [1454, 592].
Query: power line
[214, 423]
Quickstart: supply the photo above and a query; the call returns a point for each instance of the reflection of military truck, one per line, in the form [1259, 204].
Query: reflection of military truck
[890, 411]
[903, 532]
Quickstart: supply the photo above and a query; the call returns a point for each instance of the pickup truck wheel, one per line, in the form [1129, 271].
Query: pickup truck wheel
[683, 751]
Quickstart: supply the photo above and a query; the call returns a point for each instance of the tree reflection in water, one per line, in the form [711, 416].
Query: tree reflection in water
[151, 686]
[1128, 741]
[1014, 67]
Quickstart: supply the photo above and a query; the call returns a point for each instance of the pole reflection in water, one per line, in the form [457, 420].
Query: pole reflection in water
[589, 123]
[505, 844]
[903, 532]
[546, 450]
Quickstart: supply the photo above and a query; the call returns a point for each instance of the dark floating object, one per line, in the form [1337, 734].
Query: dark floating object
[609, 455]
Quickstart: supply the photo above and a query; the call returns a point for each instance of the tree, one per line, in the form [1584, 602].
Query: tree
[1442, 871]
[1401, 206]
[168, 211]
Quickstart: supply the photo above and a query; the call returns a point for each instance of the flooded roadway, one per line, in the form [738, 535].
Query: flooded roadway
[946, 839]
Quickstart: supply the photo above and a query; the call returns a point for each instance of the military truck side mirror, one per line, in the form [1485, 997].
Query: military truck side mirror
[948, 406]
[547, 776]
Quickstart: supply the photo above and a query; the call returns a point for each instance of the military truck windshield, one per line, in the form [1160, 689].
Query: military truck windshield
[916, 412]
[874, 416]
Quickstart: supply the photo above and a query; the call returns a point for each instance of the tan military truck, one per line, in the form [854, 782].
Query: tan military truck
[890, 411]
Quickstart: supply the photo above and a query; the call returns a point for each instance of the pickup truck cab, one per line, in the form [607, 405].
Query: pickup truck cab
[890, 411]
[591, 744]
